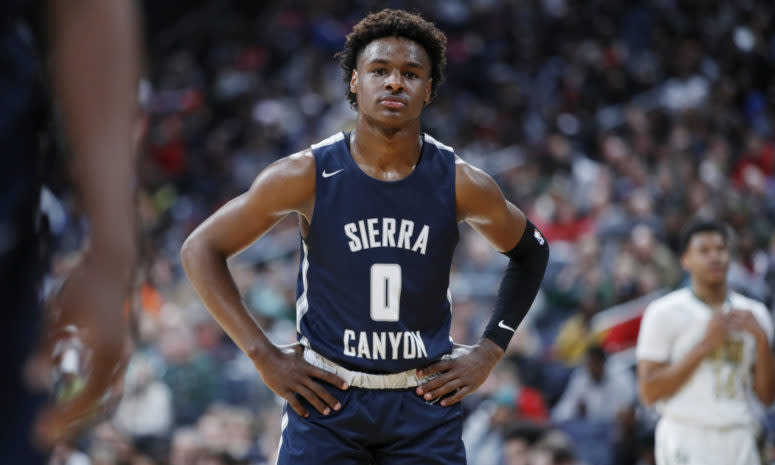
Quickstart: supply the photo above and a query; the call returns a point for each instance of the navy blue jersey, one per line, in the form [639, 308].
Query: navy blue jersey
[21, 98]
[374, 272]
[11, 9]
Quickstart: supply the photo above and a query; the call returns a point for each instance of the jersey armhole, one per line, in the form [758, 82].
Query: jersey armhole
[311, 222]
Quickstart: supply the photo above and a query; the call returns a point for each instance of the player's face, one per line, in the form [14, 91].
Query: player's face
[392, 80]
[707, 258]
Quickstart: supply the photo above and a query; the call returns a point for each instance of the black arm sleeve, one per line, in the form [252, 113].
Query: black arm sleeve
[518, 289]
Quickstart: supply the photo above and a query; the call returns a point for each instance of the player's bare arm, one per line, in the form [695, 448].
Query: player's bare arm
[284, 187]
[660, 380]
[764, 367]
[95, 84]
[482, 205]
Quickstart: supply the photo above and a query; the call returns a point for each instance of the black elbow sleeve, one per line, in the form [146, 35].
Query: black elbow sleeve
[519, 286]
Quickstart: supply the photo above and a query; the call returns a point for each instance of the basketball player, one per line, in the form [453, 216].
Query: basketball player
[374, 378]
[93, 68]
[703, 353]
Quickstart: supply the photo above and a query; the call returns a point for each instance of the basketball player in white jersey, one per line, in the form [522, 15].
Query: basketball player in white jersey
[704, 358]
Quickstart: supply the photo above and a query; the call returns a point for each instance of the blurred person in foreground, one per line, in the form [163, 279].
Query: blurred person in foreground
[373, 378]
[93, 68]
[704, 358]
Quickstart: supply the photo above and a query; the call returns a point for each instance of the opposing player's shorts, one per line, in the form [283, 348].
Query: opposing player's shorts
[679, 443]
[374, 427]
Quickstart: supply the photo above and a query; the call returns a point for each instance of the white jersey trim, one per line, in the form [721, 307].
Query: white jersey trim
[330, 140]
[301, 303]
[438, 144]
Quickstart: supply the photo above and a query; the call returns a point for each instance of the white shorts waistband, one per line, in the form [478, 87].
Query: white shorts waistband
[692, 423]
[402, 380]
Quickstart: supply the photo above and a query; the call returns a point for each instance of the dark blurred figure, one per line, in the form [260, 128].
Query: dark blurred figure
[93, 70]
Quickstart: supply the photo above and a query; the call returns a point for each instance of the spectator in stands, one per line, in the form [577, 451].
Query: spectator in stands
[576, 335]
[595, 391]
[186, 447]
[189, 373]
[145, 393]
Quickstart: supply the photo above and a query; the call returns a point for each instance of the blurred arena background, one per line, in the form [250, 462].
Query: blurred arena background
[611, 124]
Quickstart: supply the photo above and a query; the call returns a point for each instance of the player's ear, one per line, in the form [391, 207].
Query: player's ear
[428, 88]
[354, 82]
[685, 262]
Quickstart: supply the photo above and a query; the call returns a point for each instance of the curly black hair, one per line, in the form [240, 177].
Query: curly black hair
[394, 23]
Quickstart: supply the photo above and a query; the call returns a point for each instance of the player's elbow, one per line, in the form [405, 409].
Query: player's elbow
[200, 252]
[191, 252]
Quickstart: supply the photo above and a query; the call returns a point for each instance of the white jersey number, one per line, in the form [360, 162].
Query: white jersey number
[385, 291]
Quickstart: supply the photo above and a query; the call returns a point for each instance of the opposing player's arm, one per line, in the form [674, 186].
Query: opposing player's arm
[481, 204]
[764, 372]
[285, 186]
[660, 380]
[760, 327]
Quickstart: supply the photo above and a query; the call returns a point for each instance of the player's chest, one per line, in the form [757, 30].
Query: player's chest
[737, 348]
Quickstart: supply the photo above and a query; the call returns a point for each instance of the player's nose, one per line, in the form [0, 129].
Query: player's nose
[393, 81]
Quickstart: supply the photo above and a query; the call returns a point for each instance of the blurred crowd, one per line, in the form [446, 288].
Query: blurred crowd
[611, 124]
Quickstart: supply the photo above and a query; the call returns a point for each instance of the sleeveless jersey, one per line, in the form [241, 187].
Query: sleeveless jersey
[373, 282]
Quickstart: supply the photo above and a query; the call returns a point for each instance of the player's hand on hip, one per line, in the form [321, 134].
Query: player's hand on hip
[745, 321]
[286, 373]
[460, 374]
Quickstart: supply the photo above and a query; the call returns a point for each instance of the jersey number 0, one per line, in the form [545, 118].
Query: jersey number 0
[385, 291]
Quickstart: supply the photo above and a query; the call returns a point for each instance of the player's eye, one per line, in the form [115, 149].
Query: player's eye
[410, 75]
[378, 71]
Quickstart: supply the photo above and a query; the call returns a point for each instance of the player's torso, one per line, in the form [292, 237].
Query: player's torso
[21, 118]
[374, 275]
[719, 391]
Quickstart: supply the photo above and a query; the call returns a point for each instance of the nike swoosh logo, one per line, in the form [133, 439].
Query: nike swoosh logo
[328, 175]
[503, 325]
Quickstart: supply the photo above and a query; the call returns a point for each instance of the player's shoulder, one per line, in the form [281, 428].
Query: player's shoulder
[669, 302]
[294, 171]
[301, 163]
[427, 138]
[470, 176]
[328, 141]
[741, 302]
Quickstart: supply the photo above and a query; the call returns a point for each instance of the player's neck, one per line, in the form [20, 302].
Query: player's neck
[386, 148]
[713, 295]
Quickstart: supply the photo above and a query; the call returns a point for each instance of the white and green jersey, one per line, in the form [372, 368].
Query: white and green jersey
[719, 392]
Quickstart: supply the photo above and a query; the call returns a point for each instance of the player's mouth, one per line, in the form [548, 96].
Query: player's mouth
[716, 269]
[392, 102]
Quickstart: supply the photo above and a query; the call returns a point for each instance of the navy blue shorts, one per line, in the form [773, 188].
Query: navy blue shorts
[374, 427]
